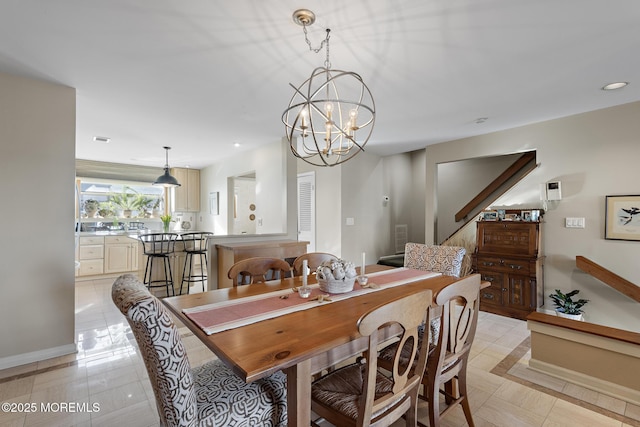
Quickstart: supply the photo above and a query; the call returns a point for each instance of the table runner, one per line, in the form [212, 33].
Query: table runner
[217, 317]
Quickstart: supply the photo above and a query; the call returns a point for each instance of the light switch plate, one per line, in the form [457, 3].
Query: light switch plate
[350, 221]
[574, 222]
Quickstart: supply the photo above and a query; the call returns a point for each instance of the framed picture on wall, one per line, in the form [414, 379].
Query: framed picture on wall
[622, 218]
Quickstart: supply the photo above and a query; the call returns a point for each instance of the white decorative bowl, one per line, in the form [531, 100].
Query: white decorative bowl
[337, 286]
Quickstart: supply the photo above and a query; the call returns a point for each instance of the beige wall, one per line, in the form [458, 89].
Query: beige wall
[364, 184]
[268, 162]
[418, 194]
[37, 151]
[356, 190]
[328, 206]
[459, 182]
[289, 207]
[606, 365]
[593, 154]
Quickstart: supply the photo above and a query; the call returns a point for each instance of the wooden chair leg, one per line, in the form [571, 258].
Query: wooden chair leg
[466, 408]
[433, 395]
[411, 418]
[451, 391]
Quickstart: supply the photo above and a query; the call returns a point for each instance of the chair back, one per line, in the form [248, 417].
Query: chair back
[195, 242]
[442, 259]
[409, 313]
[164, 354]
[255, 270]
[314, 259]
[158, 244]
[460, 303]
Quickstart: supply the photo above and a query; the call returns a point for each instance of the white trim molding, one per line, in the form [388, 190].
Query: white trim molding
[37, 356]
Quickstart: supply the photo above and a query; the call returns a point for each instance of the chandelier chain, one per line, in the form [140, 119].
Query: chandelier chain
[327, 63]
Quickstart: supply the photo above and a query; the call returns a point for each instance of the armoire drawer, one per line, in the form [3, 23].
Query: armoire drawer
[503, 264]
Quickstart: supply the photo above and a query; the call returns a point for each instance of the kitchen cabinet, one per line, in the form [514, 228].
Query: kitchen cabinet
[186, 198]
[508, 256]
[121, 254]
[91, 255]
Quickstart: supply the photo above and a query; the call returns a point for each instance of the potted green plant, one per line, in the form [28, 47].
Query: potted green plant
[566, 306]
[127, 201]
[143, 203]
[155, 207]
[91, 207]
[106, 210]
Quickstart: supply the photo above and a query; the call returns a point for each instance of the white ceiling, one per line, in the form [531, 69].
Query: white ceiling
[200, 75]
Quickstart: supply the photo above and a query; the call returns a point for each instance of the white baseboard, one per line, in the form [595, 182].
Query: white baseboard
[37, 356]
[578, 378]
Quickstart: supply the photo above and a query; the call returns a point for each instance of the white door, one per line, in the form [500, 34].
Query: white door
[307, 209]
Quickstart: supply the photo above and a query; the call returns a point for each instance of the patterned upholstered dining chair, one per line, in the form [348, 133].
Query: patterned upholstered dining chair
[209, 395]
[360, 394]
[442, 259]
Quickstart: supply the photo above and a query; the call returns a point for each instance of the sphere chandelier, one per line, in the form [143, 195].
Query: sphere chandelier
[331, 115]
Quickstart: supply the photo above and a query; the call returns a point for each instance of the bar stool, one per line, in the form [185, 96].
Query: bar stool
[159, 246]
[195, 244]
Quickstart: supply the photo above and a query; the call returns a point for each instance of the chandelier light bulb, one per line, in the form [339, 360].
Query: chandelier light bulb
[328, 108]
[303, 119]
[353, 115]
[328, 127]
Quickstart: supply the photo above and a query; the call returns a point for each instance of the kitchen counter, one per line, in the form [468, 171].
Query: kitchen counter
[230, 253]
[132, 233]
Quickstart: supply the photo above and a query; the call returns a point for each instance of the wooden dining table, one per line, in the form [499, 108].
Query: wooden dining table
[300, 343]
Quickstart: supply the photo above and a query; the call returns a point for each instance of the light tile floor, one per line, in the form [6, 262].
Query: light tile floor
[108, 376]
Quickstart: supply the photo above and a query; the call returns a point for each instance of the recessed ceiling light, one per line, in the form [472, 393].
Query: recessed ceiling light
[102, 139]
[237, 144]
[614, 86]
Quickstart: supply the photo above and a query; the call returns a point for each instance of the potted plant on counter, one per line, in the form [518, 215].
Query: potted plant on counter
[565, 305]
[91, 207]
[128, 201]
[166, 222]
[154, 206]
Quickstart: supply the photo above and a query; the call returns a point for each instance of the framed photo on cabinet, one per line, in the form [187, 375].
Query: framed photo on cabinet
[490, 215]
[622, 218]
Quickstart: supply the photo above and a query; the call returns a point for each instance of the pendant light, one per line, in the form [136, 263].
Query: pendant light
[331, 114]
[166, 180]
